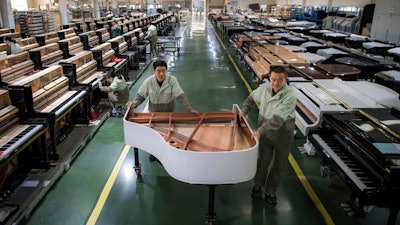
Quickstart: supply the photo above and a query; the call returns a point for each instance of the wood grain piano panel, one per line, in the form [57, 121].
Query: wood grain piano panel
[47, 95]
[46, 55]
[71, 46]
[122, 45]
[14, 67]
[28, 43]
[286, 55]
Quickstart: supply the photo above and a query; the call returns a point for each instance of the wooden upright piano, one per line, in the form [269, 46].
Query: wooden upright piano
[46, 55]
[47, 95]
[47, 38]
[121, 49]
[103, 34]
[83, 71]
[70, 46]
[107, 59]
[66, 33]
[28, 43]
[15, 67]
[13, 35]
[89, 39]
[18, 134]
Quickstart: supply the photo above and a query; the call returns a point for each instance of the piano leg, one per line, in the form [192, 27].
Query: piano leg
[53, 155]
[392, 216]
[211, 216]
[137, 165]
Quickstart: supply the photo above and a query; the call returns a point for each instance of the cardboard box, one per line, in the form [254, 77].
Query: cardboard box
[366, 32]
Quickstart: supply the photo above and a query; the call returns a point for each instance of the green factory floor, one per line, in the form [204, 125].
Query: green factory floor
[102, 188]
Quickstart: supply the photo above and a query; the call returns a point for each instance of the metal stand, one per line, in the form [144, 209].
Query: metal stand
[211, 216]
[137, 165]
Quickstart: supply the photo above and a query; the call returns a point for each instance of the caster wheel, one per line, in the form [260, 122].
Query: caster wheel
[138, 172]
[210, 222]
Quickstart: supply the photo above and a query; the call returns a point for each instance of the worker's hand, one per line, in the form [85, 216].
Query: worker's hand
[132, 105]
[256, 135]
[194, 111]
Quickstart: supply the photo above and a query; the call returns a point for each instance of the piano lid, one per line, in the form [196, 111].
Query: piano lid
[360, 94]
[377, 129]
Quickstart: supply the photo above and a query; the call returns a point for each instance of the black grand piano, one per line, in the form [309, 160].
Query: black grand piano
[363, 149]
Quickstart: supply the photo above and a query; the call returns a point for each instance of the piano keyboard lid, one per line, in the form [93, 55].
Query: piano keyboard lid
[380, 127]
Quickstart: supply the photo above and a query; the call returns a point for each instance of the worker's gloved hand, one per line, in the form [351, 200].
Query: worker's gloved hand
[102, 88]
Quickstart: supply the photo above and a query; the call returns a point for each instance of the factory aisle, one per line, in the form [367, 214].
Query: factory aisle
[101, 186]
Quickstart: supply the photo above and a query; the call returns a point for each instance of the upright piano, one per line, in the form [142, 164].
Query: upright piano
[83, 71]
[362, 148]
[106, 58]
[70, 46]
[47, 38]
[46, 94]
[103, 34]
[89, 39]
[15, 67]
[18, 134]
[46, 55]
[66, 33]
[28, 43]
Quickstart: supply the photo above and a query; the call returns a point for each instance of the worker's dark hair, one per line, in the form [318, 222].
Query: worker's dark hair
[114, 74]
[278, 69]
[160, 63]
[9, 38]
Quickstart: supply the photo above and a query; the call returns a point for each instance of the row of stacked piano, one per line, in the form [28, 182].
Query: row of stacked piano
[45, 92]
[352, 122]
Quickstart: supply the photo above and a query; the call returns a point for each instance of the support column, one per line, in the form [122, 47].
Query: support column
[96, 9]
[329, 5]
[64, 12]
[7, 15]
[115, 7]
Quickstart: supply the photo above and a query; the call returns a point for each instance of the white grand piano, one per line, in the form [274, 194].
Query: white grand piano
[324, 96]
[211, 148]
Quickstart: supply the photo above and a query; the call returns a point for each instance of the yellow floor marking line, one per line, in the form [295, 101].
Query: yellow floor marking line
[307, 186]
[113, 176]
[107, 188]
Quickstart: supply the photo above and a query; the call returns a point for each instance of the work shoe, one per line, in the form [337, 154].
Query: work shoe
[271, 198]
[256, 192]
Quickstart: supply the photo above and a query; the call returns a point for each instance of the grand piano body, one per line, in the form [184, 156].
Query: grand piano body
[47, 95]
[362, 148]
[325, 96]
[210, 148]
